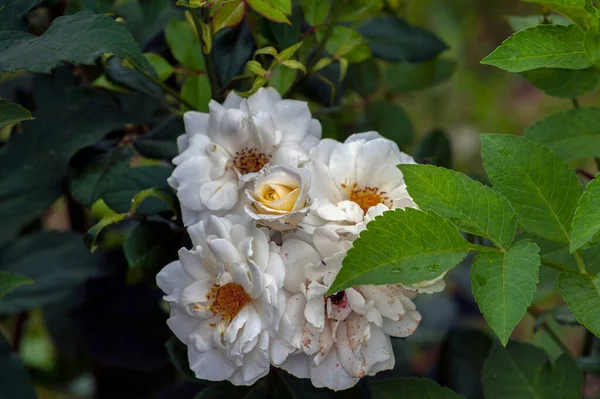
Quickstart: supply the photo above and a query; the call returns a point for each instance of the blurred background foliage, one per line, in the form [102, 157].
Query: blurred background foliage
[97, 328]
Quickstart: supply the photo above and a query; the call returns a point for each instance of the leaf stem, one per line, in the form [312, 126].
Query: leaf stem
[215, 86]
[580, 262]
[575, 102]
[169, 90]
[482, 248]
[550, 330]
[556, 266]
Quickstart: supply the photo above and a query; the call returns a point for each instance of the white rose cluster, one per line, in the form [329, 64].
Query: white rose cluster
[272, 209]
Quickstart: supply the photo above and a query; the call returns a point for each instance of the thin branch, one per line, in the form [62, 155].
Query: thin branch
[580, 262]
[555, 265]
[586, 174]
[211, 72]
[550, 331]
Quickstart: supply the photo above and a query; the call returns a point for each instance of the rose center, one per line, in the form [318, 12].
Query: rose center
[367, 197]
[228, 300]
[250, 160]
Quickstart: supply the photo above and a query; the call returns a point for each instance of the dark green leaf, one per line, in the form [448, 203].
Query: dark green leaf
[471, 206]
[128, 77]
[410, 388]
[364, 77]
[78, 39]
[232, 48]
[165, 195]
[504, 284]
[582, 294]
[566, 83]
[287, 35]
[315, 11]
[12, 113]
[356, 9]
[345, 42]
[160, 142]
[15, 381]
[184, 44]
[151, 9]
[524, 371]
[586, 222]
[394, 39]
[543, 46]
[572, 134]
[92, 236]
[542, 189]
[151, 245]
[435, 148]
[57, 262]
[405, 77]
[10, 281]
[224, 389]
[405, 246]
[391, 121]
[12, 12]
[196, 90]
[133, 13]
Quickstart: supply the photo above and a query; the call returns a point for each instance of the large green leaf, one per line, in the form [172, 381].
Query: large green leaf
[11, 13]
[151, 245]
[574, 9]
[394, 39]
[10, 281]
[410, 387]
[504, 284]
[572, 134]
[57, 262]
[347, 43]
[582, 294]
[118, 72]
[184, 44]
[356, 9]
[15, 381]
[78, 39]
[586, 222]
[161, 141]
[232, 48]
[524, 371]
[405, 246]
[542, 189]
[274, 10]
[196, 90]
[405, 77]
[471, 206]
[391, 121]
[566, 83]
[315, 11]
[543, 46]
[12, 113]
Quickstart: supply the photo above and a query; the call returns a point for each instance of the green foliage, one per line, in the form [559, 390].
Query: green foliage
[196, 90]
[12, 113]
[346, 43]
[582, 294]
[228, 15]
[150, 245]
[430, 245]
[10, 281]
[364, 77]
[184, 44]
[566, 83]
[541, 188]
[574, 9]
[543, 46]
[160, 142]
[471, 206]
[391, 121]
[524, 371]
[352, 10]
[406, 77]
[315, 11]
[78, 39]
[572, 134]
[275, 10]
[435, 148]
[11, 12]
[586, 222]
[504, 284]
[15, 381]
[161, 66]
[410, 388]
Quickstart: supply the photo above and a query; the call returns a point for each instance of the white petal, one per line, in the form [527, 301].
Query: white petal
[224, 251]
[256, 363]
[264, 100]
[297, 255]
[293, 118]
[378, 352]
[182, 324]
[212, 365]
[195, 122]
[403, 327]
[328, 242]
[297, 365]
[330, 374]
[220, 194]
[315, 312]
[232, 100]
[172, 279]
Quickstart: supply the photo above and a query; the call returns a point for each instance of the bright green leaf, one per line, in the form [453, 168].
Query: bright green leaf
[92, 236]
[574, 9]
[282, 79]
[289, 52]
[228, 14]
[184, 44]
[346, 42]
[543, 46]
[504, 284]
[572, 134]
[542, 189]
[586, 222]
[471, 206]
[582, 294]
[410, 387]
[315, 11]
[391, 121]
[405, 77]
[10, 281]
[293, 64]
[274, 10]
[162, 67]
[78, 39]
[357, 9]
[196, 90]
[592, 44]
[12, 113]
[566, 83]
[524, 371]
[405, 246]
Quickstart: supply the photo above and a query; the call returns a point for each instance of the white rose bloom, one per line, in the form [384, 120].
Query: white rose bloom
[279, 198]
[350, 178]
[226, 300]
[224, 149]
[336, 340]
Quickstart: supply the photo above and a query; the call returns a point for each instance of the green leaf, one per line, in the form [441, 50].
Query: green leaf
[586, 222]
[518, 23]
[405, 77]
[524, 371]
[57, 262]
[11, 14]
[196, 90]
[287, 35]
[151, 245]
[565, 83]
[543, 46]
[117, 71]
[435, 148]
[10, 281]
[542, 189]
[364, 77]
[471, 206]
[232, 48]
[391, 121]
[12, 113]
[15, 381]
[184, 44]
[166, 195]
[504, 284]
[345, 42]
[315, 11]
[161, 141]
[77, 39]
[274, 10]
[357, 9]
[228, 15]
[410, 387]
[582, 294]
[573, 134]
[394, 39]
[574, 9]
[405, 246]
[162, 67]
[282, 78]
[92, 236]
[591, 44]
